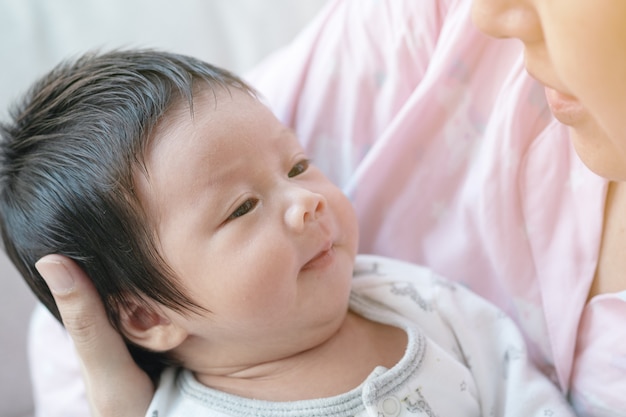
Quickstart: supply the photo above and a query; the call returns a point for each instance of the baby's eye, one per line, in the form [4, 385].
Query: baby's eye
[247, 206]
[299, 168]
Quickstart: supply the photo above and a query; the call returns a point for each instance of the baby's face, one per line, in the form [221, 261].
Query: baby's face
[256, 234]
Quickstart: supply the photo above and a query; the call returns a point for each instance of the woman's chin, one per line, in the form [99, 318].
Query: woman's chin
[598, 152]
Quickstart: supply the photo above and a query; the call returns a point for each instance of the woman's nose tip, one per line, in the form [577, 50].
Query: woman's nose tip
[507, 19]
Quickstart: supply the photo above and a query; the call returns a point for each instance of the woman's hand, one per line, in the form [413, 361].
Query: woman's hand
[115, 385]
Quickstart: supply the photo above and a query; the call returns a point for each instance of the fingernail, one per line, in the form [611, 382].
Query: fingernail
[56, 275]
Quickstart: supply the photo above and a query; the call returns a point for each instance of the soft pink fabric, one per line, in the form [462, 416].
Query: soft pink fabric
[452, 159]
[447, 148]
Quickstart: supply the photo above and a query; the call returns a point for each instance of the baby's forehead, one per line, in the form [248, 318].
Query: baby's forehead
[216, 129]
[216, 124]
[183, 110]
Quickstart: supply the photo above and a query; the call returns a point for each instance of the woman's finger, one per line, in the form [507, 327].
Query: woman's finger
[115, 385]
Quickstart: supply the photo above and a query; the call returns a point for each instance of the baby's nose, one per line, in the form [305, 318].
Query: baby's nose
[303, 206]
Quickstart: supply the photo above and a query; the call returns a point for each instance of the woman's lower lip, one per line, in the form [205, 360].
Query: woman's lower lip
[565, 108]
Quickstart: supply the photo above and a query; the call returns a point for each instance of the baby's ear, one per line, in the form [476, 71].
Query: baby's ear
[148, 326]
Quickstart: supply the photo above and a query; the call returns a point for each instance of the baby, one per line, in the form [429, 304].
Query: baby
[228, 260]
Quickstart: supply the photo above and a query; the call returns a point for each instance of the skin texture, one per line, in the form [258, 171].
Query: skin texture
[264, 243]
[231, 192]
[575, 47]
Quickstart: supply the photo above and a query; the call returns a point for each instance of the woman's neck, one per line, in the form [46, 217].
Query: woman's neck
[609, 275]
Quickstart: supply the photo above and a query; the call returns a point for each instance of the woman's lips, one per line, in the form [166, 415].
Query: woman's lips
[567, 109]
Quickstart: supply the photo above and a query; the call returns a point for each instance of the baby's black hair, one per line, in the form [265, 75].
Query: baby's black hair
[67, 162]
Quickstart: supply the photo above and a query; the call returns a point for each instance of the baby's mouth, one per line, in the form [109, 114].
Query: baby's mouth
[322, 259]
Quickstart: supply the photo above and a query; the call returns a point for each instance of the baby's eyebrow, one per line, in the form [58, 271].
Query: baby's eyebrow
[287, 131]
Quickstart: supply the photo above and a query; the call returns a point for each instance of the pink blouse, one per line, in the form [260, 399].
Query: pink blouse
[448, 150]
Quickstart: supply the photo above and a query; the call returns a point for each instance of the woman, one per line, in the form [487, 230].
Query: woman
[443, 142]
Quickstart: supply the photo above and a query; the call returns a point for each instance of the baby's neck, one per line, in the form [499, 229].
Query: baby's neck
[337, 366]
